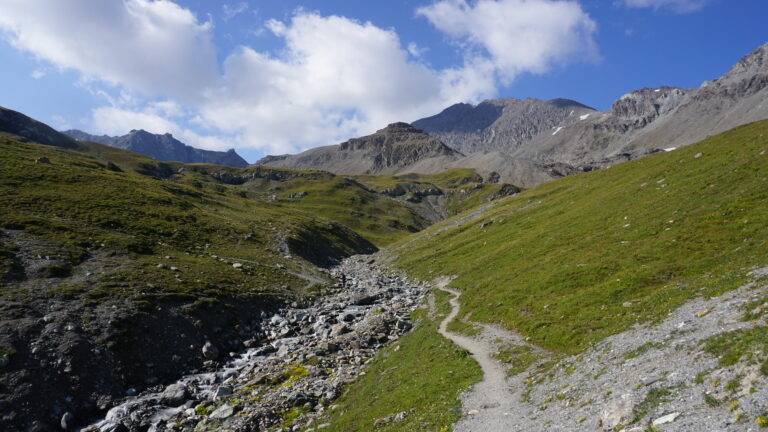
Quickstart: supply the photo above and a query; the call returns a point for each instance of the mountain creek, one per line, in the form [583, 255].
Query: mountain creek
[306, 355]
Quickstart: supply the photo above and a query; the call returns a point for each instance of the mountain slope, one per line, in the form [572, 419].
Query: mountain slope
[640, 122]
[558, 262]
[388, 151]
[162, 147]
[572, 265]
[501, 124]
[17, 124]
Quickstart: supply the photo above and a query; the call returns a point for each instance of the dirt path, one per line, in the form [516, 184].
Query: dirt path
[488, 404]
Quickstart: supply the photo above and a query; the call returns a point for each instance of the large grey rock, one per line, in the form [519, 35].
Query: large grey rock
[222, 392]
[175, 394]
[210, 351]
[223, 412]
[339, 329]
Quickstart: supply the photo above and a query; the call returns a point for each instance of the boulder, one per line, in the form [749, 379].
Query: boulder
[210, 351]
[68, 421]
[223, 412]
[175, 395]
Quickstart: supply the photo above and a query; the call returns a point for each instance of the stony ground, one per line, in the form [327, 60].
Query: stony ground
[652, 377]
[295, 367]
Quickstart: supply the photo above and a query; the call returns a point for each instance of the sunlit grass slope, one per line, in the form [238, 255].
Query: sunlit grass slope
[421, 375]
[574, 260]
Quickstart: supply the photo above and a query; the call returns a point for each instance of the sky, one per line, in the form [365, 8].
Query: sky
[275, 77]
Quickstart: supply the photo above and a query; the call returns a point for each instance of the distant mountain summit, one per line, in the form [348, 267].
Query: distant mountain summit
[388, 151]
[527, 142]
[162, 147]
[500, 124]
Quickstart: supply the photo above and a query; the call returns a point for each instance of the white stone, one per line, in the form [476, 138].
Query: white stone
[669, 418]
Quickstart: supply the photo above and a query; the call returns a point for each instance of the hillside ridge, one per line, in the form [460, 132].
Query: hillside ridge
[162, 147]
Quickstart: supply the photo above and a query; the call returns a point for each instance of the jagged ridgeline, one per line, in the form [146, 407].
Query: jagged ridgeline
[125, 250]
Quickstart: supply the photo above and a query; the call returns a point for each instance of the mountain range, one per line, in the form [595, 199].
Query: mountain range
[162, 147]
[527, 142]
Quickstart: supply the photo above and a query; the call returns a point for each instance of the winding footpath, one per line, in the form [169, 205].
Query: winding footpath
[488, 405]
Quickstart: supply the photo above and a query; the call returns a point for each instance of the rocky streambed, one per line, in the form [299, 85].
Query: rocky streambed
[292, 368]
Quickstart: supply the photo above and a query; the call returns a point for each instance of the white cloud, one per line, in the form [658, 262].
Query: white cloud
[60, 123]
[680, 6]
[117, 121]
[415, 50]
[516, 36]
[155, 47]
[231, 11]
[334, 77]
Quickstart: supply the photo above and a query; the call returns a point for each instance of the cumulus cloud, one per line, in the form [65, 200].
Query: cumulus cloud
[155, 47]
[334, 77]
[680, 6]
[112, 120]
[516, 36]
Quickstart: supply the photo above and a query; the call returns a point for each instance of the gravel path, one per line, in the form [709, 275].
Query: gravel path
[611, 386]
[488, 404]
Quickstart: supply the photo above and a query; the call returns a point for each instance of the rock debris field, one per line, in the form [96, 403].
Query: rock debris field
[293, 368]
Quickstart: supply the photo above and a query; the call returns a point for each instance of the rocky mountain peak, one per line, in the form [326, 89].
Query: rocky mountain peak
[753, 63]
[646, 104]
[400, 127]
[162, 147]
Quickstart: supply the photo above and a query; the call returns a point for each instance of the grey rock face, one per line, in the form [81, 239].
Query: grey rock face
[499, 124]
[388, 151]
[162, 147]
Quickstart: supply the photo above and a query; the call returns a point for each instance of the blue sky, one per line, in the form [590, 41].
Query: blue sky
[270, 77]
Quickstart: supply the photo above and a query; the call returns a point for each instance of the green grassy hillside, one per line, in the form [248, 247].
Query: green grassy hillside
[102, 201]
[79, 208]
[574, 260]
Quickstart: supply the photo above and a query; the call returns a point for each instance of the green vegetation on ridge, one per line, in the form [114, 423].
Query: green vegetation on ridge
[99, 202]
[577, 259]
